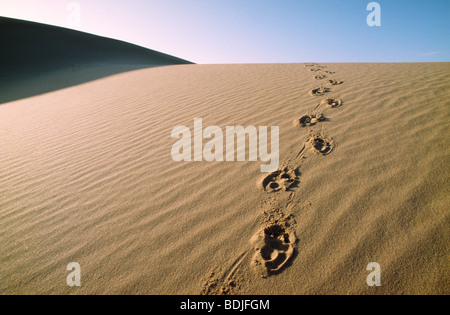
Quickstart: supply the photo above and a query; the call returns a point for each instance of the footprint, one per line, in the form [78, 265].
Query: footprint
[309, 120]
[329, 72]
[314, 69]
[335, 82]
[332, 102]
[278, 180]
[320, 77]
[275, 246]
[319, 91]
[321, 144]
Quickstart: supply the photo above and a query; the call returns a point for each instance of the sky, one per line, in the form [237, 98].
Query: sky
[257, 31]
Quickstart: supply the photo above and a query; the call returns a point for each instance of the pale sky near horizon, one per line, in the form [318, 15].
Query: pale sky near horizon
[260, 31]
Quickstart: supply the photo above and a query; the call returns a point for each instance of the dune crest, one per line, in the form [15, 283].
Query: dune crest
[37, 58]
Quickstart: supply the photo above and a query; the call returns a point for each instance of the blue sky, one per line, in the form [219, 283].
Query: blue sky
[260, 31]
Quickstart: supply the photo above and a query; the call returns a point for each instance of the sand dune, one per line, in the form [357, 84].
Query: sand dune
[87, 177]
[37, 58]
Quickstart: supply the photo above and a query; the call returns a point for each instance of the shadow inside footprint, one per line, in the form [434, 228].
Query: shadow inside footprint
[320, 77]
[275, 247]
[335, 82]
[332, 102]
[319, 91]
[321, 144]
[280, 180]
[309, 120]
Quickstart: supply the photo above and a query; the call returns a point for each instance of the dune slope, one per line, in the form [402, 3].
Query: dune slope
[37, 58]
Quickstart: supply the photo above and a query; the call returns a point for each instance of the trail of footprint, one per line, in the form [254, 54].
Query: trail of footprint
[275, 243]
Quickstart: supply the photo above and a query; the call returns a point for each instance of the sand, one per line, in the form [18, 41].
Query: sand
[87, 176]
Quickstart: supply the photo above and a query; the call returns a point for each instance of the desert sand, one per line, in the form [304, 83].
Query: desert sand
[87, 176]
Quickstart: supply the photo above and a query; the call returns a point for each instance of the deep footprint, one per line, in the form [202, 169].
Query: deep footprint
[319, 91]
[321, 144]
[280, 180]
[275, 247]
[309, 120]
[332, 102]
[335, 82]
